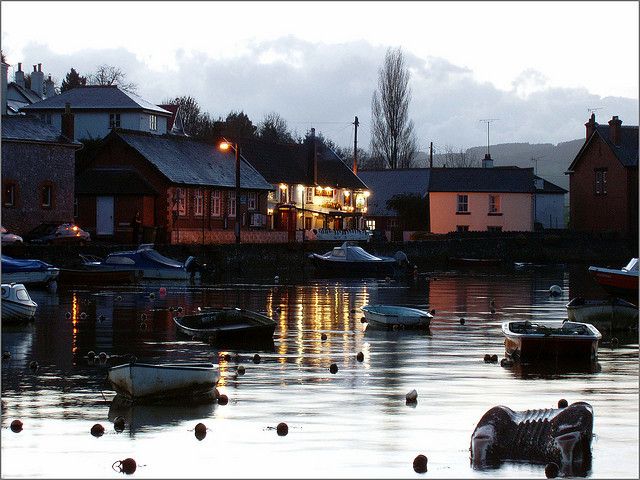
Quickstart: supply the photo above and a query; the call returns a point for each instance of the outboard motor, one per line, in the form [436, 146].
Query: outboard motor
[558, 435]
[401, 258]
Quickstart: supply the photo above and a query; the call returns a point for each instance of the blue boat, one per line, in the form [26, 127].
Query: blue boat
[29, 271]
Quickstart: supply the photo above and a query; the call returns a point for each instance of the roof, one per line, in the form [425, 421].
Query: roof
[29, 128]
[112, 181]
[495, 179]
[290, 164]
[97, 97]
[384, 184]
[185, 161]
[626, 151]
[29, 95]
[548, 187]
[173, 109]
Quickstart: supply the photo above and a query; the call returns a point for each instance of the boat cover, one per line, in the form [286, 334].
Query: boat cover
[352, 253]
[14, 265]
[632, 266]
[142, 258]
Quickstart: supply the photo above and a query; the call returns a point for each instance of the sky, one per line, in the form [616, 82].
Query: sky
[535, 68]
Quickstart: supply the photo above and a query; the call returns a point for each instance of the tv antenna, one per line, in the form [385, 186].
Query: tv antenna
[592, 110]
[488, 122]
[535, 160]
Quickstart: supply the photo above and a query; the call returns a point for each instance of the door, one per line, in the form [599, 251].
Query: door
[104, 215]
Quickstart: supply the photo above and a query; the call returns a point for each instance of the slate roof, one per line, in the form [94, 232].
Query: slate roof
[112, 181]
[384, 184]
[290, 164]
[29, 128]
[496, 179]
[29, 95]
[548, 187]
[626, 152]
[96, 97]
[189, 162]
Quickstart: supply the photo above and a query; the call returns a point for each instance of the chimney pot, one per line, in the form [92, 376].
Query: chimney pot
[35, 68]
[68, 129]
[39, 67]
[591, 125]
[19, 66]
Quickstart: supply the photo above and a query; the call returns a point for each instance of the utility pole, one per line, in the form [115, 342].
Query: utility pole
[355, 146]
[488, 121]
[430, 154]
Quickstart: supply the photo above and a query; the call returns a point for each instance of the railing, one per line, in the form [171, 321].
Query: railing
[342, 235]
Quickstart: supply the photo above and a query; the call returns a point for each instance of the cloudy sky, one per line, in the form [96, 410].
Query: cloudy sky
[535, 67]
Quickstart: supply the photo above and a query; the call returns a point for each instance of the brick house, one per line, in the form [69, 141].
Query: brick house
[184, 190]
[603, 179]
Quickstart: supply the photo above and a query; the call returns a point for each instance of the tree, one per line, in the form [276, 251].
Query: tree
[239, 126]
[392, 135]
[274, 128]
[189, 112]
[458, 159]
[110, 75]
[73, 80]
[413, 210]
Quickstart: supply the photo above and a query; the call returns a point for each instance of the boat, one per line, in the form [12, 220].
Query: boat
[541, 342]
[27, 271]
[611, 314]
[69, 276]
[147, 262]
[144, 382]
[16, 303]
[350, 259]
[618, 280]
[222, 325]
[396, 317]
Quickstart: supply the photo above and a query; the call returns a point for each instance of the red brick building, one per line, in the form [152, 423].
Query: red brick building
[603, 182]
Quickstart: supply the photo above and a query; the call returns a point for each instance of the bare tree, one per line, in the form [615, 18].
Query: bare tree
[189, 112]
[392, 135]
[274, 128]
[110, 75]
[452, 158]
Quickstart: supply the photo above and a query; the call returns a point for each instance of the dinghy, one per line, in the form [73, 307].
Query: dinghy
[396, 317]
[611, 314]
[222, 325]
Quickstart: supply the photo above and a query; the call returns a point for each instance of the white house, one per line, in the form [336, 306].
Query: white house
[549, 204]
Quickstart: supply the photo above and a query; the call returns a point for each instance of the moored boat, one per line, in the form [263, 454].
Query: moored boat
[611, 314]
[27, 271]
[349, 260]
[69, 276]
[17, 304]
[622, 281]
[540, 342]
[393, 317]
[222, 325]
[186, 382]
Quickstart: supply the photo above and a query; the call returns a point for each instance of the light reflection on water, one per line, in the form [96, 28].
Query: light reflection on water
[351, 424]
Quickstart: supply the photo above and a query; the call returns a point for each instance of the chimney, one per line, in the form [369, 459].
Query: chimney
[37, 80]
[49, 88]
[5, 67]
[614, 129]
[19, 76]
[487, 161]
[67, 123]
[591, 125]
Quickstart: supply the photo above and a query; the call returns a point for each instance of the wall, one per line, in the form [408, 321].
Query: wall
[96, 124]
[516, 208]
[550, 210]
[194, 236]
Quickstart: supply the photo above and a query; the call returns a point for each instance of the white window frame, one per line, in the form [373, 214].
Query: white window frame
[114, 120]
[231, 196]
[371, 224]
[309, 194]
[216, 199]
[462, 204]
[153, 122]
[601, 181]
[198, 202]
[252, 201]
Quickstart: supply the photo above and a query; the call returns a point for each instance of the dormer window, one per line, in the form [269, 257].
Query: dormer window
[153, 123]
[114, 120]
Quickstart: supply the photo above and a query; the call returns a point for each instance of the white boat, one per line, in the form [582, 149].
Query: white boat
[29, 271]
[16, 303]
[349, 259]
[607, 315]
[392, 316]
[184, 382]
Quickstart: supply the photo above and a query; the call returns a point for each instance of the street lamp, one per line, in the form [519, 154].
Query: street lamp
[224, 146]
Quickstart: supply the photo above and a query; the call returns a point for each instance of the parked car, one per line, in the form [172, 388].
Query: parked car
[9, 238]
[56, 234]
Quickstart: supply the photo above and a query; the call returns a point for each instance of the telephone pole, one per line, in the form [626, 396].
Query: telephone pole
[355, 146]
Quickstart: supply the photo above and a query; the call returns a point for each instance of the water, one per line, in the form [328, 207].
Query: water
[352, 424]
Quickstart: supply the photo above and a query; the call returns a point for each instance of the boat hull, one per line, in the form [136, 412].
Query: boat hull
[606, 315]
[139, 382]
[391, 317]
[31, 278]
[617, 282]
[227, 326]
[148, 273]
[17, 305]
[350, 269]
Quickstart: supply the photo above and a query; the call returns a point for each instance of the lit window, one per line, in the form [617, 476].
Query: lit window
[494, 204]
[9, 195]
[601, 181]
[232, 203]
[216, 210]
[198, 202]
[371, 224]
[45, 201]
[309, 191]
[252, 200]
[153, 122]
[114, 120]
[463, 203]
[283, 193]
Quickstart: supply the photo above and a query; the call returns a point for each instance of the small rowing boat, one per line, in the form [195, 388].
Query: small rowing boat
[393, 316]
[611, 314]
[221, 325]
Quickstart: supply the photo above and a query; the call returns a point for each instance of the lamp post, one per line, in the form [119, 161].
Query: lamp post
[224, 146]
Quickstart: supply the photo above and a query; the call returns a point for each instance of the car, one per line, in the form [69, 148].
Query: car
[9, 238]
[56, 234]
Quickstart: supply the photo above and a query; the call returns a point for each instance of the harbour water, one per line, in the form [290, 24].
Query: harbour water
[351, 424]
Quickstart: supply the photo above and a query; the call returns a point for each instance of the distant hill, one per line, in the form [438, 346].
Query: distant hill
[553, 160]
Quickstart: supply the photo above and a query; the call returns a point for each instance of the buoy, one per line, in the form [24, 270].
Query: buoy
[16, 426]
[201, 431]
[240, 370]
[33, 365]
[462, 321]
[179, 309]
[97, 430]
[6, 355]
[420, 464]
[152, 295]
[171, 309]
[102, 356]
[492, 302]
[223, 399]
[363, 320]
[555, 290]
[102, 318]
[487, 358]
[67, 315]
[91, 354]
[118, 424]
[256, 358]
[412, 396]
[506, 362]
[494, 358]
[282, 429]
[128, 466]
[276, 279]
[323, 336]
[360, 356]
[614, 342]
[162, 291]
[333, 368]
[562, 403]
[119, 298]
[551, 470]
[83, 316]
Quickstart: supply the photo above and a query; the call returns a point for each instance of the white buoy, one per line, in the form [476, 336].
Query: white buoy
[555, 290]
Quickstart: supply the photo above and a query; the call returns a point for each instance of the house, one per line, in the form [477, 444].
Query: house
[36, 184]
[184, 190]
[17, 94]
[100, 108]
[603, 179]
[313, 187]
[549, 204]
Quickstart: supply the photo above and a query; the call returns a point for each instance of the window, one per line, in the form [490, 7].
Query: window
[307, 223]
[283, 193]
[252, 201]
[463, 204]
[46, 197]
[601, 181]
[153, 122]
[9, 194]
[231, 196]
[494, 229]
[198, 202]
[371, 224]
[309, 192]
[494, 204]
[114, 120]
[462, 228]
[180, 202]
[216, 210]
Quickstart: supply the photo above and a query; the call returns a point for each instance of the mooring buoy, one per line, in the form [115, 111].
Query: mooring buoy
[551, 470]
[240, 370]
[420, 464]
[200, 431]
[223, 399]
[118, 424]
[282, 429]
[360, 356]
[16, 426]
[562, 403]
[128, 466]
[97, 430]
[333, 368]
[256, 358]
